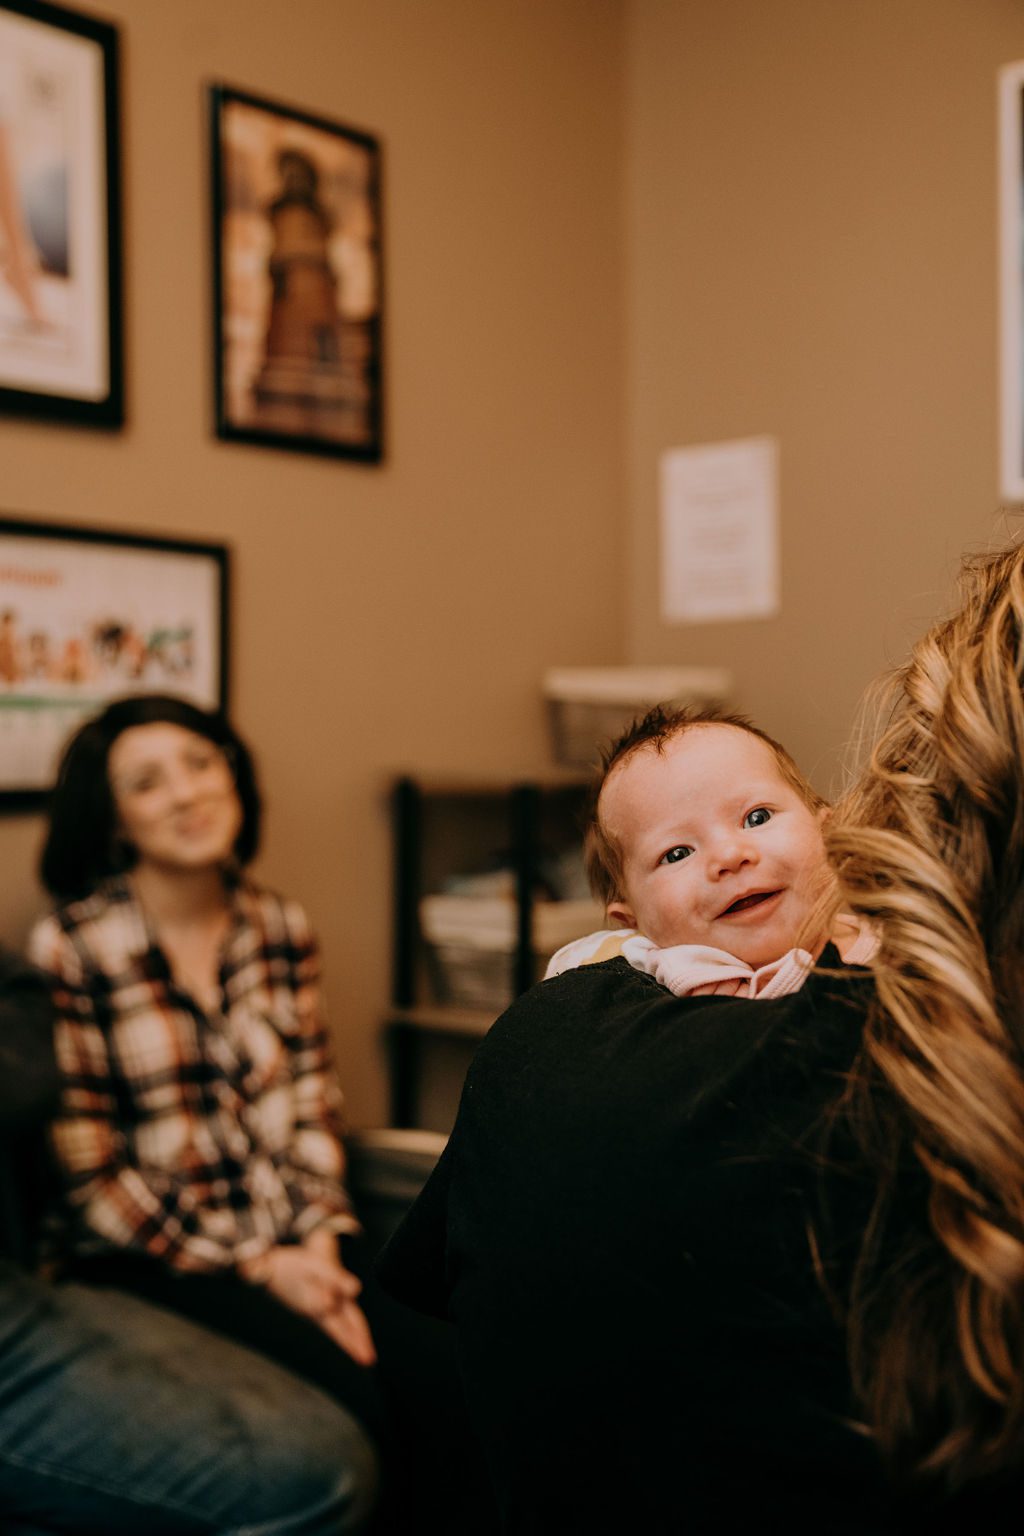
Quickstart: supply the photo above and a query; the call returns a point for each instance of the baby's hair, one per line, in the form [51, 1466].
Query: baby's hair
[602, 853]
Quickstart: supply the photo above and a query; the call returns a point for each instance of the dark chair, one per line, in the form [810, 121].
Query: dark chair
[25, 1187]
[24, 1183]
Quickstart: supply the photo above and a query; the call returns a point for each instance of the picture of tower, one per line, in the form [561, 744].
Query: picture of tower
[300, 273]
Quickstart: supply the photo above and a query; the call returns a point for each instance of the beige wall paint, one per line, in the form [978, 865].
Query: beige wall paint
[811, 250]
[806, 247]
[397, 616]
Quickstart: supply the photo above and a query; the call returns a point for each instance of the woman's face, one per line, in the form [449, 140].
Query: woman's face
[174, 796]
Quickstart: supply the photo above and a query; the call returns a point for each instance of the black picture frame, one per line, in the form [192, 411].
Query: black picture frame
[61, 333]
[90, 614]
[298, 279]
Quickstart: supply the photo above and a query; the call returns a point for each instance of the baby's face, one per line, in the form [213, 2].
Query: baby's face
[718, 848]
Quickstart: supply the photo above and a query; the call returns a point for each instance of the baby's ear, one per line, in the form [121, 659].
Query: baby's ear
[824, 814]
[618, 912]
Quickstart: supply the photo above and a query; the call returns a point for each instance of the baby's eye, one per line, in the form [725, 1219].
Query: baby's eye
[674, 855]
[757, 817]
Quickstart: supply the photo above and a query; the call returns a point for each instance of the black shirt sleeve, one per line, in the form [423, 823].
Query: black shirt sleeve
[412, 1267]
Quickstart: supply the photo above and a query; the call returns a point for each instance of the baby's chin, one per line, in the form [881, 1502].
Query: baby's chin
[760, 950]
[753, 955]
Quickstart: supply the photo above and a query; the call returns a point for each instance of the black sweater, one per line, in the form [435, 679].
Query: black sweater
[619, 1229]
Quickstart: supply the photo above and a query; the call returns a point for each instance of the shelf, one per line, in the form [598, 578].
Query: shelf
[432, 1019]
[447, 824]
[455, 783]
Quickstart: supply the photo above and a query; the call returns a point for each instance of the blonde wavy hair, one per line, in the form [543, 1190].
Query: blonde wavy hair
[928, 847]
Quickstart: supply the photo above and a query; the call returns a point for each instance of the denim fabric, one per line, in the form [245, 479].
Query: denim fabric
[118, 1417]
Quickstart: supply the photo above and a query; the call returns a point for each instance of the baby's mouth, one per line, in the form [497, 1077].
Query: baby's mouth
[745, 903]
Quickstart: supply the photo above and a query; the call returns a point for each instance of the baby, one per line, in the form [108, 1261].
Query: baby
[705, 844]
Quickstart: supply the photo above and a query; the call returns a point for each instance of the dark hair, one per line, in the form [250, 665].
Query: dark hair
[660, 725]
[82, 848]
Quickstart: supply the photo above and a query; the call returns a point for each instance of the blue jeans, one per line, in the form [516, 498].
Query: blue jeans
[119, 1417]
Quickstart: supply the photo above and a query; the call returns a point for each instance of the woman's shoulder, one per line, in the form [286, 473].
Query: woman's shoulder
[80, 910]
[623, 1020]
[617, 985]
[94, 926]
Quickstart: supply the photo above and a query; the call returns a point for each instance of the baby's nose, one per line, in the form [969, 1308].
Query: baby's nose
[732, 853]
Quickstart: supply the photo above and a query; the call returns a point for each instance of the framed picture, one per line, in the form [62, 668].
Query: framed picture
[87, 615]
[60, 222]
[1011, 263]
[297, 279]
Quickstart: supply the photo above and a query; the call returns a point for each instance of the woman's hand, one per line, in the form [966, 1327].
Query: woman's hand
[307, 1279]
[324, 1242]
[854, 939]
[348, 1328]
[730, 988]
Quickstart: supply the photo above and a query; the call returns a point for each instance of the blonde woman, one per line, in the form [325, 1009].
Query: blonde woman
[719, 1264]
[929, 849]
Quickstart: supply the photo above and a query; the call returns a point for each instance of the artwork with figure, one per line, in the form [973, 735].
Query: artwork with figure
[298, 312]
[59, 267]
[88, 615]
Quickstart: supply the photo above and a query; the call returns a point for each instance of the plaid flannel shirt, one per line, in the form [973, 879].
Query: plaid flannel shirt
[203, 1139]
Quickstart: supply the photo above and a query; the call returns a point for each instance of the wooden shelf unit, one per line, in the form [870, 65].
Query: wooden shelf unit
[525, 814]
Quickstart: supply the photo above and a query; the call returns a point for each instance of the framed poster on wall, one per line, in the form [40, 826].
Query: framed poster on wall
[60, 224]
[1011, 264]
[297, 279]
[88, 615]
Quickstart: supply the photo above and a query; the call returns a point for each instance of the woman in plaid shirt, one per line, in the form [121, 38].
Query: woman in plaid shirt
[198, 1138]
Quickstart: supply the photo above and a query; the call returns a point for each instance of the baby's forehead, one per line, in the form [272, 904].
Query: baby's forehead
[727, 748]
[707, 759]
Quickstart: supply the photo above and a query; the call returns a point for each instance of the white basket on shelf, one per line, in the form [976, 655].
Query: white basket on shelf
[472, 940]
[588, 706]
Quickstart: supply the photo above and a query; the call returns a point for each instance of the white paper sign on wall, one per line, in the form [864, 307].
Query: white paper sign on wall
[720, 531]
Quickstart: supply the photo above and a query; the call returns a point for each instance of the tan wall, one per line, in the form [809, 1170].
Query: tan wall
[812, 254]
[807, 248]
[394, 616]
